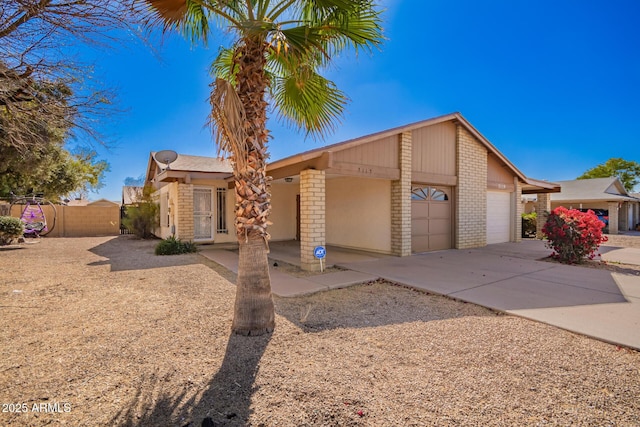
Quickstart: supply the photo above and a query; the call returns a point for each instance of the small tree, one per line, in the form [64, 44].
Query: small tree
[573, 235]
[628, 172]
[143, 218]
[10, 228]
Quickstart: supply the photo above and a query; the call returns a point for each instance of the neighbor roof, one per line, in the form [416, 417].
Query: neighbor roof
[596, 189]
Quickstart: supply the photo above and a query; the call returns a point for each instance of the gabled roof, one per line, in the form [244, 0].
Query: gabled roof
[596, 189]
[321, 156]
[186, 166]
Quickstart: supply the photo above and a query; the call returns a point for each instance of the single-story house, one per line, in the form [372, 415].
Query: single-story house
[601, 193]
[431, 185]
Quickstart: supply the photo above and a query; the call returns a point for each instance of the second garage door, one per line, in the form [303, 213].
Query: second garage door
[430, 218]
[498, 217]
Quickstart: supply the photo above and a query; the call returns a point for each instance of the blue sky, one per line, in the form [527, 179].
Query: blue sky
[554, 85]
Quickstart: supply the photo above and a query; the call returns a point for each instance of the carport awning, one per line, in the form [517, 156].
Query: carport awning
[534, 186]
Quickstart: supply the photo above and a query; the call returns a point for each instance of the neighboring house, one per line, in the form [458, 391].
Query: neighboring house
[601, 193]
[432, 185]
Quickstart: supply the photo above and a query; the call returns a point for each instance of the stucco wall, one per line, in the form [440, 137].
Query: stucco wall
[283, 211]
[358, 213]
[81, 221]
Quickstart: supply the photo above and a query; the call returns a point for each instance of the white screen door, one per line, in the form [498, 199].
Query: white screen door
[202, 214]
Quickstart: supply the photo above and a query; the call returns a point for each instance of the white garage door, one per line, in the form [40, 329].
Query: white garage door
[498, 217]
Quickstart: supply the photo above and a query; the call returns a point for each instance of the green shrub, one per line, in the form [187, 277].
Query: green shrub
[529, 224]
[173, 246]
[10, 228]
[142, 219]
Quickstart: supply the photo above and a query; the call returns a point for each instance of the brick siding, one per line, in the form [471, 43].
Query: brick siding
[471, 191]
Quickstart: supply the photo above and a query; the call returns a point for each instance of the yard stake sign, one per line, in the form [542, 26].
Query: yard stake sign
[320, 252]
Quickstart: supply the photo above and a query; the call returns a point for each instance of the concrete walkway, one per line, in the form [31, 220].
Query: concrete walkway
[286, 285]
[506, 277]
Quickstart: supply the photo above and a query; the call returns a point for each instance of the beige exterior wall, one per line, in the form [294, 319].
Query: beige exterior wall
[383, 152]
[498, 177]
[358, 213]
[434, 149]
[471, 192]
[283, 211]
[81, 221]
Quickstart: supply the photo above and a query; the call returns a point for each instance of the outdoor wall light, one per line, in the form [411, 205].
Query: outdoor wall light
[288, 179]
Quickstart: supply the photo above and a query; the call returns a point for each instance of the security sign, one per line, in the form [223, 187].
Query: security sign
[319, 252]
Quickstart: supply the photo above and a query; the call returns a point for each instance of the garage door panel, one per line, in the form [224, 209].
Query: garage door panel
[498, 217]
[420, 243]
[431, 218]
[440, 210]
[439, 226]
[420, 226]
[439, 242]
[420, 209]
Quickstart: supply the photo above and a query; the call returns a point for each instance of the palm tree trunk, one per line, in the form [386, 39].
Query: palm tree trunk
[254, 310]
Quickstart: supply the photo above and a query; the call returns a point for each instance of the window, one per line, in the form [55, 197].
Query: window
[221, 217]
[419, 193]
[438, 195]
[428, 193]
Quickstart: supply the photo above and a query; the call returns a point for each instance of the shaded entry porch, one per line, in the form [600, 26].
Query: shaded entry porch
[289, 251]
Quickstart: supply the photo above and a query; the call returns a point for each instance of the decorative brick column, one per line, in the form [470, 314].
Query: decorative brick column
[613, 217]
[471, 191]
[312, 217]
[184, 227]
[543, 207]
[519, 207]
[401, 200]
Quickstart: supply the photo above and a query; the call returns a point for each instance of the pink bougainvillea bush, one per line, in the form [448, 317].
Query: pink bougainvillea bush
[573, 235]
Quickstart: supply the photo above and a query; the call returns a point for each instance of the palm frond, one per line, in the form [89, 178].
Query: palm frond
[188, 17]
[308, 101]
[227, 121]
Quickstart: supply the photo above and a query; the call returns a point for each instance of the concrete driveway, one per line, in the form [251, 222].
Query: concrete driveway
[508, 277]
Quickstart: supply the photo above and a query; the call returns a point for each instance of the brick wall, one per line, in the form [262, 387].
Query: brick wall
[312, 216]
[401, 200]
[471, 191]
[184, 217]
[543, 207]
[519, 209]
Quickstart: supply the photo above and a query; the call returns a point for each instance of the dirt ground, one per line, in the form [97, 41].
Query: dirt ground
[101, 332]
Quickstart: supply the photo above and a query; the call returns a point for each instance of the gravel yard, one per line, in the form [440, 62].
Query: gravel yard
[101, 332]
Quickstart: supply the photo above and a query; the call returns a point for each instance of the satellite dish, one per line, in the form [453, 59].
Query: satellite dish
[166, 156]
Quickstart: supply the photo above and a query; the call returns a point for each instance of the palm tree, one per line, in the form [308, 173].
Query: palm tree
[278, 49]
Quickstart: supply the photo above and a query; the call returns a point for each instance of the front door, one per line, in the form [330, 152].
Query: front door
[202, 214]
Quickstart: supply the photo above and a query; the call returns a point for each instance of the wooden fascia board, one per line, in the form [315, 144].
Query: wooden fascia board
[433, 178]
[364, 171]
[322, 161]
